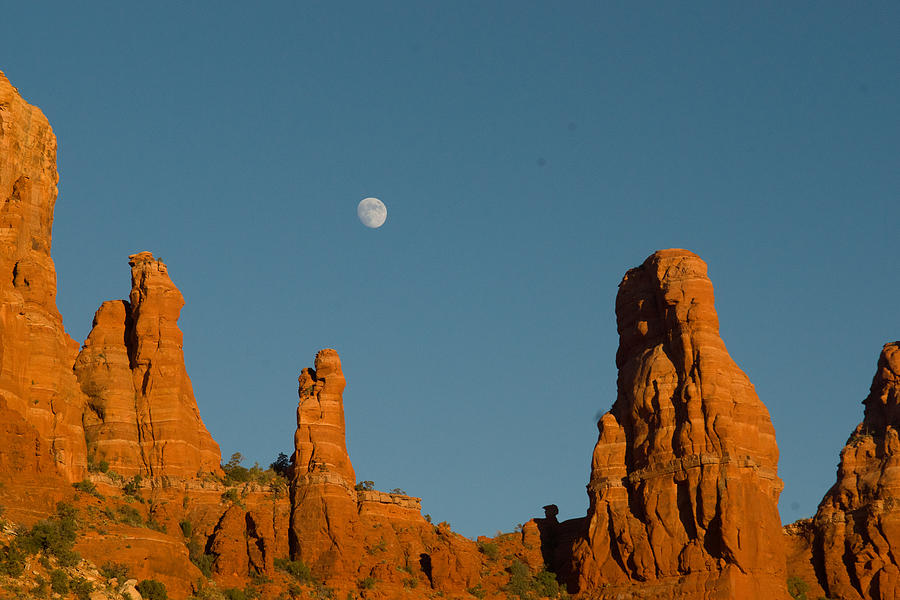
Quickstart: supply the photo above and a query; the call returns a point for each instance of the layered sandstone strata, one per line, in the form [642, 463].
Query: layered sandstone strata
[857, 527]
[141, 415]
[683, 487]
[36, 354]
[323, 499]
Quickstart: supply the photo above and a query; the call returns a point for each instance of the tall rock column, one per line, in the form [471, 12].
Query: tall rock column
[857, 527]
[36, 354]
[324, 512]
[683, 490]
[141, 414]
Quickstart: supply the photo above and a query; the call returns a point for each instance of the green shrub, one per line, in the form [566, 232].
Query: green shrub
[186, 528]
[477, 591]
[235, 594]
[152, 589]
[545, 584]
[86, 486]
[81, 587]
[398, 491]
[113, 570]
[42, 587]
[129, 515]
[12, 561]
[295, 569]
[490, 550]
[365, 486]
[156, 525]
[133, 487]
[197, 555]
[54, 536]
[231, 495]
[59, 581]
[368, 583]
[411, 583]
[797, 588]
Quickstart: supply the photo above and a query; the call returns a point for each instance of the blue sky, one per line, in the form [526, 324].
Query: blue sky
[529, 154]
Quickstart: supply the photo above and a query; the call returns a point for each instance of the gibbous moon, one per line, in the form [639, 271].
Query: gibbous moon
[372, 212]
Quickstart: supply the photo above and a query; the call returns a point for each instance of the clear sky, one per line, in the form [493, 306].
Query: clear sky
[529, 154]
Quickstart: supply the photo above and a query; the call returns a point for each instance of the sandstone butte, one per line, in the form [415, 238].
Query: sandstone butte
[683, 484]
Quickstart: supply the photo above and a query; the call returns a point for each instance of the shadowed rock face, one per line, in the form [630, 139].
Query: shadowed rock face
[36, 355]
[683, 487]
[857, 526]
[141, 414]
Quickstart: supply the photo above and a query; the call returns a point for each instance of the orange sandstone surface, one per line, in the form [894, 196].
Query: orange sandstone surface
[683, 484]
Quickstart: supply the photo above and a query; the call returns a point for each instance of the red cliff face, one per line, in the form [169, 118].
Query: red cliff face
[141, 415]
[36, 382]
[683, 487]
[857, 527]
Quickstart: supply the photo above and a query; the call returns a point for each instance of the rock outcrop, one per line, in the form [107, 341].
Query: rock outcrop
[141, 416]
[683, 487]
[857, 527]
[323, 500]
[347, 535]
[36, 354]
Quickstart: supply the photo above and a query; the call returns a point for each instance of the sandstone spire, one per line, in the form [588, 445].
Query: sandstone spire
[857, 527]
[142, 417]
[683, 487]
[36, 355]
[323, 499]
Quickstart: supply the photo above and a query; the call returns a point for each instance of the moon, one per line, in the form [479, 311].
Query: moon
[372, 212]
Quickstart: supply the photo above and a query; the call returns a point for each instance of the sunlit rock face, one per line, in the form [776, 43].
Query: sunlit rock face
[856, 544]
[346, 534]
[38, 391]
[141, 415]
[684, 486]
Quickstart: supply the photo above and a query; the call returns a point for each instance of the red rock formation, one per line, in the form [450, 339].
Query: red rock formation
[683, 486]
[346, 535]
[323, 500]
[141, 414]
[36, 355]
[857, 541]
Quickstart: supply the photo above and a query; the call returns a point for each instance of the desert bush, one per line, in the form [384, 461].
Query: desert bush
[490, 550]
[81, 587]
[86, 486]
[113, 570]
[797, 588]
[156, 525]
[295, 569]
[152, 589]
[59, 581]
[186, 528]
[12, 561]
[477, 591]
[197, 555]
[54, 536]
[368, 583]
[128, 515]
[365, 486]
[545, 584]
[133, 487]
